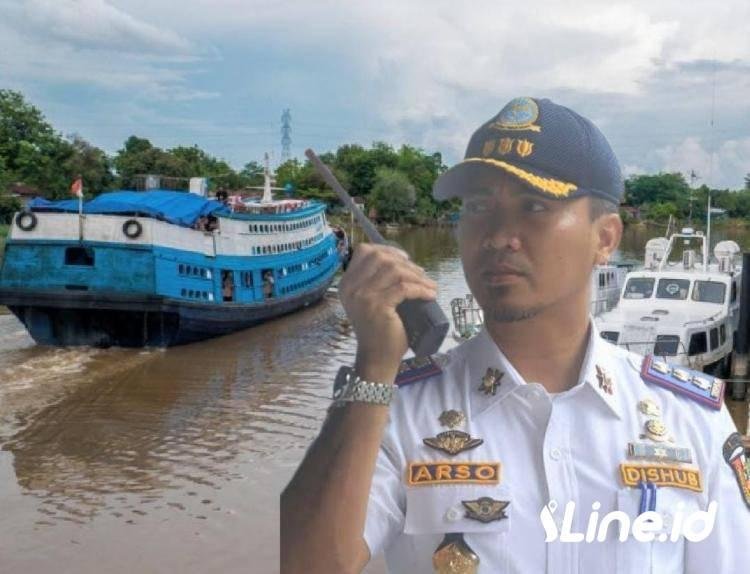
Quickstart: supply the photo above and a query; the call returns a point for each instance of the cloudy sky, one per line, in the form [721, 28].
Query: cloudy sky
[654, 76]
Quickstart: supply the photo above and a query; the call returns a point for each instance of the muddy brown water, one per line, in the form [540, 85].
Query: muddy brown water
[153, 461]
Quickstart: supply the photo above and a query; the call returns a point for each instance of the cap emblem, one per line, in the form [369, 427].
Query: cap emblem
[518, 114]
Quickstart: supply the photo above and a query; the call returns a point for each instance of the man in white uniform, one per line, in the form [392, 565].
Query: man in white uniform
[509, 453]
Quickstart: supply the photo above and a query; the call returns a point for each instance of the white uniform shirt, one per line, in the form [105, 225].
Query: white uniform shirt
[563, 448]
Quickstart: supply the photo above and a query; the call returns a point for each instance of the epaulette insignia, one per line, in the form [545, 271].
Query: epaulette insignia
[734, 454]
[695, 385]
[414, 369]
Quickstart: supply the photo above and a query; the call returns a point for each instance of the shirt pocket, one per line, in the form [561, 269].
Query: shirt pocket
[434, 511]
[662, 555]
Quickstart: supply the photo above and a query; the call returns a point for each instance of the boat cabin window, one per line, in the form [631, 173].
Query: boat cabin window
[639, 288]
[673, 289]
[666, 345]
[714, 338]
[709, 291]
[79, 256]
[734, 291]
[698, 343]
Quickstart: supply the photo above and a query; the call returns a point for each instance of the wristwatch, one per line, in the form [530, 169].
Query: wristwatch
[349, 388]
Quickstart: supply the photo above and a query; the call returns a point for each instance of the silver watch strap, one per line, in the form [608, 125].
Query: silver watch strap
[361, 391]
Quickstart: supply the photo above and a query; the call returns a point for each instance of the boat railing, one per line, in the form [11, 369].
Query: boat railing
[710, 319]
[468, 317]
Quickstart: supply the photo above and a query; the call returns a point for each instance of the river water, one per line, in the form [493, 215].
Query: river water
[156, 461]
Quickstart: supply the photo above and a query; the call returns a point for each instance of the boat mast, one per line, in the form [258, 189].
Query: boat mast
[710, 170]
[267, 195]
[707, 240]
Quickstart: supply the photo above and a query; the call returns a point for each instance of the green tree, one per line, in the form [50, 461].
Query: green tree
[252, 174]
[642, 189]
[393, 195]
[8, 206]
[32, 151]
[137, 157]
[661, 211]
[92, 164]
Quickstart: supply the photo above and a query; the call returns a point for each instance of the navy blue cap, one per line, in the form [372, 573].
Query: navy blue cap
[550, 148]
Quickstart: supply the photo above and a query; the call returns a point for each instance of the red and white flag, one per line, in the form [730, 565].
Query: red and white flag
[77, 187]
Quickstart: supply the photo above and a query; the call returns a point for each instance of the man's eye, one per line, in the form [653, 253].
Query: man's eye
[476, 207]
[536, 206]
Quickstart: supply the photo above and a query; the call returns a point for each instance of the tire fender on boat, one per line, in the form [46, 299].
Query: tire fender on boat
[26, 220]
[132, 228]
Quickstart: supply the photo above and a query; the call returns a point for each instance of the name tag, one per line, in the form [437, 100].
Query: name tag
[421, 473]
[661, 475]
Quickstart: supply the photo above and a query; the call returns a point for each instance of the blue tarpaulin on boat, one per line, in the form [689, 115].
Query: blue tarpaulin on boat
[174, 206]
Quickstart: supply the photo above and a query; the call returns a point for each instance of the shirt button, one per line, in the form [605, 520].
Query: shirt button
[453, 515]
[555, 454]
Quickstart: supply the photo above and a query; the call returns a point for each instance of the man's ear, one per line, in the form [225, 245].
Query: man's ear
[608, 232]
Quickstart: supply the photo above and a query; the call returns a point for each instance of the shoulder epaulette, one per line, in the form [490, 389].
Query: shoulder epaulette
[413, 370]
[695, 385]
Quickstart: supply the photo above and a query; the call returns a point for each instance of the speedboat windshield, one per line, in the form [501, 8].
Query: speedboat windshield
[709, 291]
[673, 289]
[639, 288]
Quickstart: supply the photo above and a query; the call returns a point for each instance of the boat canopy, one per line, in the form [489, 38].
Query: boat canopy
[176, 207]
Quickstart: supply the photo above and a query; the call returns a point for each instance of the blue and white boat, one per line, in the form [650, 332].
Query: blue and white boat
[161, 268]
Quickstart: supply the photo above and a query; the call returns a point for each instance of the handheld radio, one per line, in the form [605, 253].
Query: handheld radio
[424, 321]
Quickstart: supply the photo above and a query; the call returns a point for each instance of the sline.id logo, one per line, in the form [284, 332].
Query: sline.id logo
[646, 527]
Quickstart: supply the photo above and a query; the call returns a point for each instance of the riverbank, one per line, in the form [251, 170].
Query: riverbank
[4, 230]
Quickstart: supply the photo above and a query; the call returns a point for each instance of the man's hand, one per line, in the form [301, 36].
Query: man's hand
[377, 280]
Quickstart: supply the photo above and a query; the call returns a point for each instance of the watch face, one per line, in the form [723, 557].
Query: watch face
[341, 382]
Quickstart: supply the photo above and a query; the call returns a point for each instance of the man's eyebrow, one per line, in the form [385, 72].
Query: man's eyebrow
[478, 191]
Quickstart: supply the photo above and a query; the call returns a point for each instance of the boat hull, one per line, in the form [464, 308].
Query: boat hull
[71, 318]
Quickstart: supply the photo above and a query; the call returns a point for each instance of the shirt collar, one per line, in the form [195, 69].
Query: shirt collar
[483, 354]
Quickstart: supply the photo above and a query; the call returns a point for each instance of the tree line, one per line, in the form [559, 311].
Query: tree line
[397, 183]
[657, 197]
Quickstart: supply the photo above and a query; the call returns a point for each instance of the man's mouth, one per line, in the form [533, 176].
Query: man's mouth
[501, 275]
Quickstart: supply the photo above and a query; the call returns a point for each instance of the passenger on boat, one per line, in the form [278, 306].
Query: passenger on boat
[227, 285]
[268, 282]
[201, 224]
[223, 196]
[534, 425]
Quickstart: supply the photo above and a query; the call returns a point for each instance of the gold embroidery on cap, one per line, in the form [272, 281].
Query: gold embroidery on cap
[506, 145]
[488, 147]
[551, 186]
[524, 148]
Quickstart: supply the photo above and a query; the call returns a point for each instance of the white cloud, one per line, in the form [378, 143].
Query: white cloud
[423, 72]
[96, 24]
[724, 168]
[90, 43]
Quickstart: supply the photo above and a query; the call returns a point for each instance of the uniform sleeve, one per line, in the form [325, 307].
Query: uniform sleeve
[387, 503]
[725, 549]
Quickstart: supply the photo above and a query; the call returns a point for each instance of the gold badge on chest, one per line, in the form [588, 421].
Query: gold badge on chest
[455, 556]
[491, 381]
[452, 418]
[453, 442]
[605, 381]
[485, 509]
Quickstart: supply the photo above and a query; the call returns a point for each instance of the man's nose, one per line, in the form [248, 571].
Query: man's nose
[504, 232]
